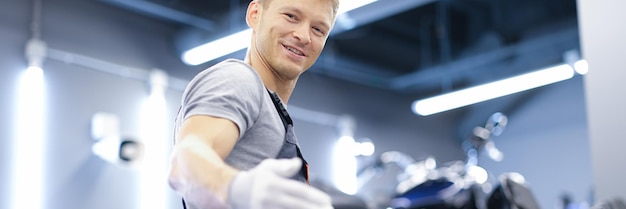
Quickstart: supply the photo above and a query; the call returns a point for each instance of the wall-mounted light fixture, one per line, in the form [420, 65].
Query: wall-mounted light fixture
[30, 142]
[110, 145]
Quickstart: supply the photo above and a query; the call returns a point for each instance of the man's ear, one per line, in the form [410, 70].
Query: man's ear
[252, 14]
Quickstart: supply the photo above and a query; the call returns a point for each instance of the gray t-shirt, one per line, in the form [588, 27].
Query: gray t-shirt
[233, 90]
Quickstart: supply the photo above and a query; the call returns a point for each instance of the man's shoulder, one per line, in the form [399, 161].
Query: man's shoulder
[229, 69]
[235, 64]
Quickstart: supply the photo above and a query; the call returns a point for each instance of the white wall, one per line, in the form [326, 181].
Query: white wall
[602, 37]
[73, 176]
[546, 141]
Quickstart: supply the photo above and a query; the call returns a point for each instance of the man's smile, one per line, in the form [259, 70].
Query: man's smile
[294, 50]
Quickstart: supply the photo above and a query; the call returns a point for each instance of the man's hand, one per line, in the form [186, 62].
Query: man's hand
[268, 186]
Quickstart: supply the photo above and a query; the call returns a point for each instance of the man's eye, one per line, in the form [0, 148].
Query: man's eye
[318, 30]
[290, 16]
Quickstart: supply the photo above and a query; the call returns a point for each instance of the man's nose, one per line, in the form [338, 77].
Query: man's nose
[302, 33]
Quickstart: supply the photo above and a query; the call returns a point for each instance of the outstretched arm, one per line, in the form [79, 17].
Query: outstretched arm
[197, 168]
[199, 173]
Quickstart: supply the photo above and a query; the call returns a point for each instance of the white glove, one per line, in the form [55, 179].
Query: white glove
[268, 186]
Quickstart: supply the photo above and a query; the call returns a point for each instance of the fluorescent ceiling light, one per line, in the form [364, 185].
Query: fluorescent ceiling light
[581, 67]
[240, 40]
[492, 90]
[349, 5]
[220, 47]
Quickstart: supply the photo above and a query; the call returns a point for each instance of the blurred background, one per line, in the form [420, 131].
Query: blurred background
[89, 91]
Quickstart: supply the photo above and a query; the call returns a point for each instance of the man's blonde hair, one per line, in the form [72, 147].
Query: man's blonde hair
[334, 3]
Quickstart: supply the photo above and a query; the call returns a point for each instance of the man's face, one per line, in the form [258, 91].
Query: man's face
[291, 34]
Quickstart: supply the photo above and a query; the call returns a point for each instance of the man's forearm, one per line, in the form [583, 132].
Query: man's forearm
[199, 174]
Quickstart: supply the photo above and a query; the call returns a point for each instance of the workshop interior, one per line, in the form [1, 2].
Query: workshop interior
[412, 104]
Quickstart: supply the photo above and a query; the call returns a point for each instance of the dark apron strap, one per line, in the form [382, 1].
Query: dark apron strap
[288, 123]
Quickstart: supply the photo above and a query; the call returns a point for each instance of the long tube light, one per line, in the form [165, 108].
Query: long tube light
[29, 142]
[239, 40]
[154, 136]
[345, 166]
[492, 90]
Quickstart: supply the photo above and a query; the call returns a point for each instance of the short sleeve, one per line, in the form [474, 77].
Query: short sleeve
[230, 90]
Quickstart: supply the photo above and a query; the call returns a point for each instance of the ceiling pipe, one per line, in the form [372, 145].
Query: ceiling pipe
[443, 25]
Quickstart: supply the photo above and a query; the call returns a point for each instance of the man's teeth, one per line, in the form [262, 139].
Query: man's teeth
[294, 51]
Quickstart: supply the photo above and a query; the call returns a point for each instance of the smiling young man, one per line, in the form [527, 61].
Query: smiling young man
[234, 141]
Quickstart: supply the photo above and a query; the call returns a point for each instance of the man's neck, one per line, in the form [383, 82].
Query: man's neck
[283, 87]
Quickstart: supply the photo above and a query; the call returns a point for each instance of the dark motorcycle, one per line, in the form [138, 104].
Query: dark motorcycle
[459, 184]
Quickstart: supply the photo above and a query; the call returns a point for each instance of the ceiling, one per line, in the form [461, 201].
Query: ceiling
[417, 47]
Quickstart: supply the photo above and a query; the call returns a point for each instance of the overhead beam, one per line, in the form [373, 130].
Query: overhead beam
[164, 12]
[373, 12]
[480, 60]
